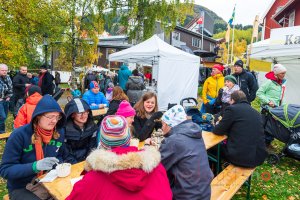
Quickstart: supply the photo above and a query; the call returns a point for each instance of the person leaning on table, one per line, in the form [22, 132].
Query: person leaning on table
[243, 125]
[184, 156]
[119, 171]
[33, 148]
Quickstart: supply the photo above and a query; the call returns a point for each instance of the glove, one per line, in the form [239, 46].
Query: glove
[46, 163]
[156, 115]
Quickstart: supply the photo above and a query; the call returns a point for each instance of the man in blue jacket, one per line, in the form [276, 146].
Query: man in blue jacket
[34, 148]
[184, 156]
[123, 76]
[94, 98]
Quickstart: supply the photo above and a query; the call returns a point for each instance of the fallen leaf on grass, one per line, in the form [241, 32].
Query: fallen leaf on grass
[264, 197]
[291, 198]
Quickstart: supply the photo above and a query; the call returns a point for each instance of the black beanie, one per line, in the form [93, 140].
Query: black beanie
[239, 63]
[33, 89]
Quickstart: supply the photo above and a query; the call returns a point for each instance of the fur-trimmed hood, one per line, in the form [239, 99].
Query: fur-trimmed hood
[128, 167]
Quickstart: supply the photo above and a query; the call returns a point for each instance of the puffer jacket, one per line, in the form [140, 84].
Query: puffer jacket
[94, 100]
[184, 156]
[25, 112]
[123, 76]
[271, 90]
[134, 88]
[211, 87]
[123, 173]
[79, 142]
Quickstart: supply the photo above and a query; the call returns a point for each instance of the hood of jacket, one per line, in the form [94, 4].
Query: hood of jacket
[76, 105]
[48, 104]
[194, 130]
[127, 167]
[136, 79]
[271, 76]
[34, 98]
[124, 67]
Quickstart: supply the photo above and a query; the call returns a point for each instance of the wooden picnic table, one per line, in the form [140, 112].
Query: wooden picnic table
[99, 112]
[60, 188]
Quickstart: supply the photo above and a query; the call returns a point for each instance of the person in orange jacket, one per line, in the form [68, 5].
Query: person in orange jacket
[24, 115]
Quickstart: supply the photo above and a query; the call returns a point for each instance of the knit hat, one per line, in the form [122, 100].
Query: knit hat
[278, 68]
[219, 67]
[174, 116]
[114, 132]
[31, 89]
[239, 63]
[125, 109]
[94, 84]
[231, 79]
[43, 66]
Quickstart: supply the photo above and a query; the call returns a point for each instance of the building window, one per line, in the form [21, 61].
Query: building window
[292, 19]
[212, 47]
[110, 51]
[196, 42]
[176, 36]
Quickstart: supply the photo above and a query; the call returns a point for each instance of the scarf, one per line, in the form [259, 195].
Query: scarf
[41, 79]
[42, 137]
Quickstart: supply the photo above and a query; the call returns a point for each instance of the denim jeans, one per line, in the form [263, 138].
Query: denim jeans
[3, 115]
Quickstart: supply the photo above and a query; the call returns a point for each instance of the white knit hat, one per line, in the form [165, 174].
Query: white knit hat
[278, 68]
[174, 116]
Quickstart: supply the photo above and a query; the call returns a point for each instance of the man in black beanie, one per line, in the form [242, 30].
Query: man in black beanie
[245, 80]
[46, 81]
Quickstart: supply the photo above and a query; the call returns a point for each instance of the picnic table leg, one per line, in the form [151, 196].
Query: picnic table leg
[218, 159]
[248, 188]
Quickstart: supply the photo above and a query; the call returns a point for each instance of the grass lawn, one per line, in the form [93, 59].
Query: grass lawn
[279, 182]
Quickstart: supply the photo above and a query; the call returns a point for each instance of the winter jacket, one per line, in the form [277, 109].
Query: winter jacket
[47, 86]
[19, 82]
[271, 91]
[113, 107]
[123, 76]
[211, 87]
[247, 84]
[88, 79]
[226, 95]
[6, 87]
[134, 88]
[25, 113]
[79, 143]
[57, 78]
[19, 153]
[34, 80]
[123, 173]
[243, 125]
[184, 156]
[143, 127]
[94, 100]
[75, 93]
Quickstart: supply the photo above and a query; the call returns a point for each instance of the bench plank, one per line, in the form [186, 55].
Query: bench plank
[4, 135]
[228, 182]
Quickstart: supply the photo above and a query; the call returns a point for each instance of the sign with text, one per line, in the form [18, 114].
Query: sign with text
[285, 36]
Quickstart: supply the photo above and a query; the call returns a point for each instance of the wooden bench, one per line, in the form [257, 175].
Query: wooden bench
[6, 197]
[229, 181]
[4, 136]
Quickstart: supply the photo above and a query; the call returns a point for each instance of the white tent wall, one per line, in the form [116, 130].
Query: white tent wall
[176, 80]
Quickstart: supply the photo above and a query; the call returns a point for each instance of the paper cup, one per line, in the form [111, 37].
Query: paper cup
[63, 169]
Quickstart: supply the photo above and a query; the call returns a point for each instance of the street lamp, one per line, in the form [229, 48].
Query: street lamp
[45, 43]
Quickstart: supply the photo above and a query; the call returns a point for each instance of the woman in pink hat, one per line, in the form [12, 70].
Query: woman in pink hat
[126, 111]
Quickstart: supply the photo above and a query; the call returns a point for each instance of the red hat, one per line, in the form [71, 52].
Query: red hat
[125, 109]
[219, 67]
[94, 84]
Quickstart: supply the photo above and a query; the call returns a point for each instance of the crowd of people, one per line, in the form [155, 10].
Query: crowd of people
[45, 135]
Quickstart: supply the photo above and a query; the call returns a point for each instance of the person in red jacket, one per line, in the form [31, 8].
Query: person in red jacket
[33, 93]
[120, 171]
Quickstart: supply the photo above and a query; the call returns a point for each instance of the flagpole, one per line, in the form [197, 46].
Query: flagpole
[202, 29]
[232, 44]
[228, 44]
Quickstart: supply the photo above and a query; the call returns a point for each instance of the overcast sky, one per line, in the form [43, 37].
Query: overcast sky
[245, 10]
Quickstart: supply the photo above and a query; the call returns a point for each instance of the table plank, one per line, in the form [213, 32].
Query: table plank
[98, 112]
[211, 139]
[60, 188]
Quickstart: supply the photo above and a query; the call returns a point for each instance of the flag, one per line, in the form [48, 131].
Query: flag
[227, 35]
[232, 17]
[200, 20]
[255, 27]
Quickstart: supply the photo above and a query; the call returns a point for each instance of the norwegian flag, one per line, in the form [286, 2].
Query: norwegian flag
[200, 20]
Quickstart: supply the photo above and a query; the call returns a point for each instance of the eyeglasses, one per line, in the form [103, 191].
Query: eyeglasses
[82, 113]
[51, 117]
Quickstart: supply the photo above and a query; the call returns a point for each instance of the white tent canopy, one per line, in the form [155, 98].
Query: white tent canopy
[289, 56]
[176, 71]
